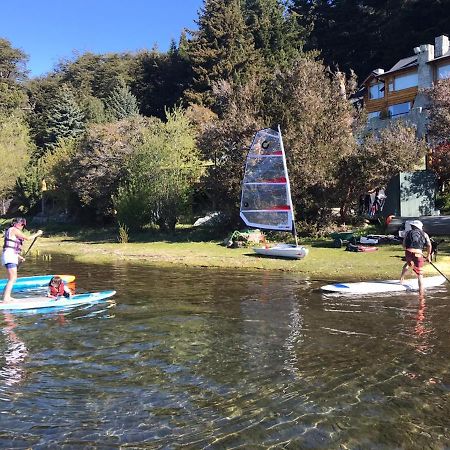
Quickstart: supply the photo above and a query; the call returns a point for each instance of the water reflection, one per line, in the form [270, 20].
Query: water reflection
[13, 369]
[423, 329]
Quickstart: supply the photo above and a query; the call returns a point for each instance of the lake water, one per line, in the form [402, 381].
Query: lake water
[224, 359]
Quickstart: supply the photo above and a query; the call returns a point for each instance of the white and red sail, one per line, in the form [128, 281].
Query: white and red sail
[266, 196]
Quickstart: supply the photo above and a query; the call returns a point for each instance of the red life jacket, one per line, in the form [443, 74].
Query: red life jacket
[15, 243]
[56, 291]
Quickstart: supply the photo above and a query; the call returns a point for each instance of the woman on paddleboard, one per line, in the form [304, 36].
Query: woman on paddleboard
[12, 247]
[413, 243]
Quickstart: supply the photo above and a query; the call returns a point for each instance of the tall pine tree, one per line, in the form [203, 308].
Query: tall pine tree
[160, 80]
[121, 103]
[220, 50]
[276, 32]
[65, 119]
[366, 34]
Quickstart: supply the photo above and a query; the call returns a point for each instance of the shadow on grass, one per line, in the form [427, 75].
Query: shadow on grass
[255, 255]
[324, 244]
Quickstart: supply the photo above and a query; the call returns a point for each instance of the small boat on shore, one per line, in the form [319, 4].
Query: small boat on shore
[266, 200]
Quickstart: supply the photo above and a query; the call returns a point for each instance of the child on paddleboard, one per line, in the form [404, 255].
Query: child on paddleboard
[57, 288]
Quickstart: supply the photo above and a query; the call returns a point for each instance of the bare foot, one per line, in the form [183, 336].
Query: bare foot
[8, 299]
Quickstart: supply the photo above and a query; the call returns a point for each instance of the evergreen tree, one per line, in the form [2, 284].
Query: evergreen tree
[42, 93]
[65, 119]
[121, 102]
[276, 33]
[220, 50]
[367, 34]
[160, 80]
[344, 31]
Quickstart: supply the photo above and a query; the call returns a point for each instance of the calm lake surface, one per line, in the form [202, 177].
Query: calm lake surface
[224, 359]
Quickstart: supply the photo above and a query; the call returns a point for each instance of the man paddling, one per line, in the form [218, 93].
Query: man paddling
[413, 243]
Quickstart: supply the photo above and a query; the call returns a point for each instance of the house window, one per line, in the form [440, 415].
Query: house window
[443, 72]
[376, 91]
[373, 114]
[399, 109]
[404, 81]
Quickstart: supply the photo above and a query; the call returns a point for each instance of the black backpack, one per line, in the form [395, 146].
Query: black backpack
[415, 239]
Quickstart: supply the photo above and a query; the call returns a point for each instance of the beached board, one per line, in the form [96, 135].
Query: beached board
[27, 303]
[374, 287]
[23, 283]
[282, 251]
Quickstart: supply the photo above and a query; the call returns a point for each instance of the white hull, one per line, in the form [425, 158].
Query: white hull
[282, 251]
[374, 287]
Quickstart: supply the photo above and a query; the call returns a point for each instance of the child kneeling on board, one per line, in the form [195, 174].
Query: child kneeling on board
[57, 288]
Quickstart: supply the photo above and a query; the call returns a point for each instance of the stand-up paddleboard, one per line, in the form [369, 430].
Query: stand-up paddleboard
[374, 287]
[61, 302]
[23, 283]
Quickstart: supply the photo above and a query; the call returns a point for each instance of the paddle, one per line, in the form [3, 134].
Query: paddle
[29, 248]
[439, 271]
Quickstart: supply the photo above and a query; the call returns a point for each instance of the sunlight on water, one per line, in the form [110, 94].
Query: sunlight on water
[215, 359]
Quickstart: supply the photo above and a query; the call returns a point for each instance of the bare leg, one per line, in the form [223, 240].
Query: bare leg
[12, 277]
[404, 270]
[421, 288]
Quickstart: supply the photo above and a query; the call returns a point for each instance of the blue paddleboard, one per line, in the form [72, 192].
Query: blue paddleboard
[23, 283]
[27, 303]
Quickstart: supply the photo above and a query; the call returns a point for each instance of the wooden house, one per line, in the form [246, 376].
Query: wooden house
[400, 93]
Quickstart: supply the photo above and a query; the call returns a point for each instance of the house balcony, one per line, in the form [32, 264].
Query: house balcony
[416, 116]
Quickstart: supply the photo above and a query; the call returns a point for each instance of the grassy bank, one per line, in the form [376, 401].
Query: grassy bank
[185, 248]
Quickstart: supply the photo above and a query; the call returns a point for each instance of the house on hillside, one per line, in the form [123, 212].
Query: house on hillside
[400, 94]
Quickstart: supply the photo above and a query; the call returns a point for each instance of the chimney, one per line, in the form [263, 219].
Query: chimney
[441, 46]
[426, 53]
[424, 70]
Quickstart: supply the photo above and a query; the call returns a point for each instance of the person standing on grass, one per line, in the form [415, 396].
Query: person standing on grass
[12, 246]
[413, 243]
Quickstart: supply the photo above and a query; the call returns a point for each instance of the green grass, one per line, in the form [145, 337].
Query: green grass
[197, 248]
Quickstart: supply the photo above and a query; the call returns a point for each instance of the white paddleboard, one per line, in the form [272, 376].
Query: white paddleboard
[61, 302]
[374, 287]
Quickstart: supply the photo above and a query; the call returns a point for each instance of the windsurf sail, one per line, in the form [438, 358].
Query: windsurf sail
[266, 195]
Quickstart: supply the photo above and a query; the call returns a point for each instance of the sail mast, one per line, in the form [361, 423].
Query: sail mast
[288, 187]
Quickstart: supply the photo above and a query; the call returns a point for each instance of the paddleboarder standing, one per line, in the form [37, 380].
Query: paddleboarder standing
[12, 246]
[413, 243]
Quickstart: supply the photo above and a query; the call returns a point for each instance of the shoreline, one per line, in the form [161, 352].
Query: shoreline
[323, 262]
